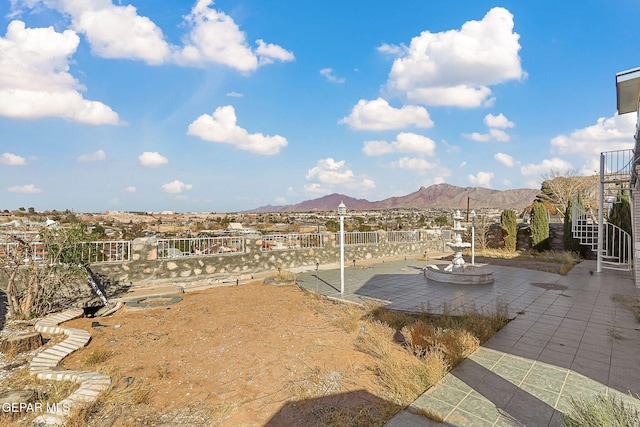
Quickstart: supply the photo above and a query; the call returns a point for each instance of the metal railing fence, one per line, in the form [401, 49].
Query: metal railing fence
[358, 238]
[402, 236]
[272, 242]
[199, 246]
[83, 252]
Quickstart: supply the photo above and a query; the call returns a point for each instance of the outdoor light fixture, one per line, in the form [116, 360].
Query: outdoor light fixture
[342, 211]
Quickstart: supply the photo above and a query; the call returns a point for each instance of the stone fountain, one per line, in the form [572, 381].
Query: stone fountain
[458, 272]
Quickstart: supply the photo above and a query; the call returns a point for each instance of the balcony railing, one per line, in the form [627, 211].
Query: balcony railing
[200, 246]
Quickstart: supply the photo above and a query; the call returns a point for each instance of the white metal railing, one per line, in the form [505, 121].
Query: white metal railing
[358, 238]
[616, 247]
[84, 252]
[402, 236]
[35, 251]
[200, 246]
[271, 242]
[104, 251]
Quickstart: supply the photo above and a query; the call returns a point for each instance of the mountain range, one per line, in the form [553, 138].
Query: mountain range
[444, 196]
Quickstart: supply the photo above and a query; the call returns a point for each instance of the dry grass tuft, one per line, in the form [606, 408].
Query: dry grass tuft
[376, 339]
[361, 416]
[45, 392]
[97, 356]
[126, 399]
[315, 383]
[349, 317]
[427, 413]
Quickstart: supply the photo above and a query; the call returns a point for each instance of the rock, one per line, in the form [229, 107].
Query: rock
[21, 343]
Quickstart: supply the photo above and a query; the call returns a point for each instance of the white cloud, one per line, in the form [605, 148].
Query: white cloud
[176, 187]
[505, 159]
[115, 31]
[456, 67]
[152, 159]
[406, 142]
[12, 160]
[92, 157]
[412, 163]
[35, 80]
[379, 115]
[215, 38]
[499, 121]
[496, 124]
[235, 94]
[329, 175]
[608, 134]
[25, 189]
[463, 164]
[130, 189]
[221, 127]
[328, 74]
[482, 179]
[545, 167]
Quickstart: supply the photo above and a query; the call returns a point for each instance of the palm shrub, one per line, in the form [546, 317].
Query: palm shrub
[539, 227]
[509, 229]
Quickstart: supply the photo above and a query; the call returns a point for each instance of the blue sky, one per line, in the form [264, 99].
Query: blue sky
[230, 105]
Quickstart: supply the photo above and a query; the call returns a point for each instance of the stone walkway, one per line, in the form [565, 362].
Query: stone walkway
[570, 336]
[45, 366]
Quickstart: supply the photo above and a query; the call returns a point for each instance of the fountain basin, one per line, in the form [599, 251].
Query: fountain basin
[460, 275]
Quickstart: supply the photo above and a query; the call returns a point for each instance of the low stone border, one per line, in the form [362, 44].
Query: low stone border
[162, 300]
[44, 365]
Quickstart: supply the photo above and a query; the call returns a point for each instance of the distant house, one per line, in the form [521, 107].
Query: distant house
[237, 229]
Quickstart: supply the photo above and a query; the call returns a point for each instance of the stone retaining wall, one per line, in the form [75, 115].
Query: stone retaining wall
[145, 265]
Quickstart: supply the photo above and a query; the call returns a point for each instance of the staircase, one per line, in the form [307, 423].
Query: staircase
[615, 250]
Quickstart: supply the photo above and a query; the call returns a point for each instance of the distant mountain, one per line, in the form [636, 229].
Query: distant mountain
[443, 196]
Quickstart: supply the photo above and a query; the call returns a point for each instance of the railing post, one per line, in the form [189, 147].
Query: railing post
[600, 216]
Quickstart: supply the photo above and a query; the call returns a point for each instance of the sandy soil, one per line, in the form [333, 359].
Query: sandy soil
[256, 354]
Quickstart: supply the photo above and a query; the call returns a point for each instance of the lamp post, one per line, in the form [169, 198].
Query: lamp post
[342, 211]
[473, 237]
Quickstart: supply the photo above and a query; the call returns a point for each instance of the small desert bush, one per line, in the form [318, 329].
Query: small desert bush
[97, 356]
[405, 377]
[601, 411]
[349, 317]
[455, 345]
[376, 339]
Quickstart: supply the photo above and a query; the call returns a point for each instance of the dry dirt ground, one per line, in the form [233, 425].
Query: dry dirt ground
[250, 355]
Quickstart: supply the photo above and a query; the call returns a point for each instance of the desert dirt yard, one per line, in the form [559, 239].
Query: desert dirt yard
[248, 355]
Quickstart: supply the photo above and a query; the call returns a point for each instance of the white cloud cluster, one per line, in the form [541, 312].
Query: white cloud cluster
[406, 142]
[24, 189]
[608, 134]
[505, 159]
[379, 115]
[329, 175]
[221, 127]
[330, 76]
[546, 166]
[11, 159]
[482, 179]
[215, 37]
[496, 125]
[152, 159]
[456, 67]
[118, 31]
[35, 81]
[176, 187]
[115, 31]
[92, 157]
